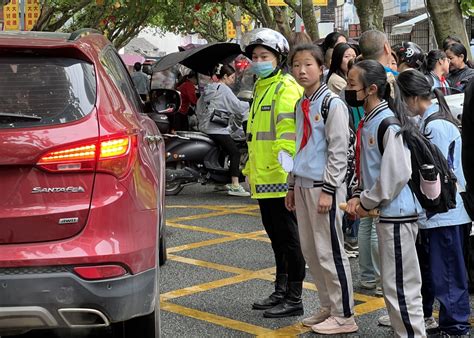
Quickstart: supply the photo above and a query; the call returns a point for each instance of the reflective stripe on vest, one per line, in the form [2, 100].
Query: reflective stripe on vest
[270, 135]
[283, 116]
[263, 188]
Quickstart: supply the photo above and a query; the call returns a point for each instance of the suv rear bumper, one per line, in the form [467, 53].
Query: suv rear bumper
[65, 300]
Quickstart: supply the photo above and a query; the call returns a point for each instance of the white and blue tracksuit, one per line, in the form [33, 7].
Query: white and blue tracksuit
[321, 167]
[441, 239]
[384, 185]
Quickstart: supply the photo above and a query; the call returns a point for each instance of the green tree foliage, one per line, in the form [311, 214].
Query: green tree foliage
[206, 18]
[119, 20]
[467, 7]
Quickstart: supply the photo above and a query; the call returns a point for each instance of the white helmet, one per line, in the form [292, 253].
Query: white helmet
[266, 37]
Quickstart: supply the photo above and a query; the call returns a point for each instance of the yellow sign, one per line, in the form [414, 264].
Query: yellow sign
[32, 12]
[245, 26]
[11, 18]
[320, 2]
[276, 3]
[230, 30]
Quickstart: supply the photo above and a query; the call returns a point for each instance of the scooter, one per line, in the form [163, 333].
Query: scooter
[192, 157]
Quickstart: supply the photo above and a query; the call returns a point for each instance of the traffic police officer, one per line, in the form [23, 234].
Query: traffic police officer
[271, 132]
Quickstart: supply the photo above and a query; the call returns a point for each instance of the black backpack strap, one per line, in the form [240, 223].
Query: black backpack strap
[325, 105]
[435, 116]
[386, 122]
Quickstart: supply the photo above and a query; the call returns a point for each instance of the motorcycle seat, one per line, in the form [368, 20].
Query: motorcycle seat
[195, 135]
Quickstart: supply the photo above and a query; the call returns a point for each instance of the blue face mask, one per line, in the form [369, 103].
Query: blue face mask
[263, 68]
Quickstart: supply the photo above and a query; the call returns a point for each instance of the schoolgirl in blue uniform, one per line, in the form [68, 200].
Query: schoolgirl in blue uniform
[383, 179]
[317, 178]
[442, 236]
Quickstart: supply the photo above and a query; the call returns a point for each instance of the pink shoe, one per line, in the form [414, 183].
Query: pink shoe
[318, 317]
[336, 325]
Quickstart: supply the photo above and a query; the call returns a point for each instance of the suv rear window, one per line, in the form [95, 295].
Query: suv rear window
[37, 91]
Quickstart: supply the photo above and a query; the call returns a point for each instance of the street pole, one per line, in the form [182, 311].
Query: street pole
[238, 28]
[22, 14]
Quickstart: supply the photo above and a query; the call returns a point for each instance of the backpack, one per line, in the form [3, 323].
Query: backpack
[428, 167]
[350, 174]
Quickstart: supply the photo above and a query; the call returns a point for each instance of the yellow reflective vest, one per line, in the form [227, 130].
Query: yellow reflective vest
[271, 128]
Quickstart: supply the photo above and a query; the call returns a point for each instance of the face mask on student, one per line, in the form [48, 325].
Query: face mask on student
[263, 68]
[351, 98]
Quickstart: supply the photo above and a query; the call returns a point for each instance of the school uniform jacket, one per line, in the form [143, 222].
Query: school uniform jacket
[323, 161]
[384, 177]
[446, 136]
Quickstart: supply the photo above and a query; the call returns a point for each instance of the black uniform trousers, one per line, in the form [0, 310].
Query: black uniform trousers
[280, 225]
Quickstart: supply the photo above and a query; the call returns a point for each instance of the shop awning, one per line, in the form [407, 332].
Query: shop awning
[407, 26]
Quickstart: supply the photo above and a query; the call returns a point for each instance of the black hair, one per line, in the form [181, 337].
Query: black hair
[137, 66]
[431, 59]
[220, 70]
[374, 73]
[330, 40]
[315, 51]
[412, 83]
[336, 60]
[450, 39]
[458, 49]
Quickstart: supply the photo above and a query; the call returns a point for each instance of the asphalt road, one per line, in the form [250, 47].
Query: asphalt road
[219, 262]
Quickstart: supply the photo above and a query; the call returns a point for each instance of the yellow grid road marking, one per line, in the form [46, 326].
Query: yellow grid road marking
[215, 319]
[287, 331]
[369, 304]
[200, 229]
[218, 210]
[201, 244]
[213, 206]
[233, 236]
[212, 285]
[209, 265]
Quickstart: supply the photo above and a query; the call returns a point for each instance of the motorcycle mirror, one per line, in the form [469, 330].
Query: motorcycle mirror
[165, 101]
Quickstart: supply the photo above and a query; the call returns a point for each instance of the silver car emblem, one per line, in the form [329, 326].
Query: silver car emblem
[70, 220]
[40, 190]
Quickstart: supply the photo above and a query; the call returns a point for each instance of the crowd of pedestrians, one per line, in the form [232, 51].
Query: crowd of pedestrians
[315, 105]
[299, 146]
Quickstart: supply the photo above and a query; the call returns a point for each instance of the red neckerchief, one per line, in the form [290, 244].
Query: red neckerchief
[306, 123]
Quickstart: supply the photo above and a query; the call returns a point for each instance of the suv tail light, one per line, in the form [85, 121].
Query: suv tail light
[100, 271]
[114, 155]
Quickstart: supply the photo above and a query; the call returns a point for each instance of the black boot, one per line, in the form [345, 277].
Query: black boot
[291, 304]
[276, 297]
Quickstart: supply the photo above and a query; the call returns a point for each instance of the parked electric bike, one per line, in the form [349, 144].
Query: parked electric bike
[191, 156]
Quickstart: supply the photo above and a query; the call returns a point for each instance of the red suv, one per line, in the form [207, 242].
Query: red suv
[82, 188]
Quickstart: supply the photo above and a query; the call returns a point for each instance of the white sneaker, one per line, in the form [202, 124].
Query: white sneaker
[318, 317]
[368, 285]
[384, 321]
[237, 191]
[379, 291]
[336, 325]
[430, 323]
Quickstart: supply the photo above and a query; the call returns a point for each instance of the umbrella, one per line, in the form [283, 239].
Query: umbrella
[201, 59]
[130, 59]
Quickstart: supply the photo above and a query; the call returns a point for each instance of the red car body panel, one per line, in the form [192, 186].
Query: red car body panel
[118, 217]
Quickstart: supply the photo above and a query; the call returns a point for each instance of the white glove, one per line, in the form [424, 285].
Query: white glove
[286, 161]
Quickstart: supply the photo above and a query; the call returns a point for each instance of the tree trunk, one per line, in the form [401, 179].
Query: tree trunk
[268, 15]
[309, 19]
[370, 14]
[447, 20]
[281, 18]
